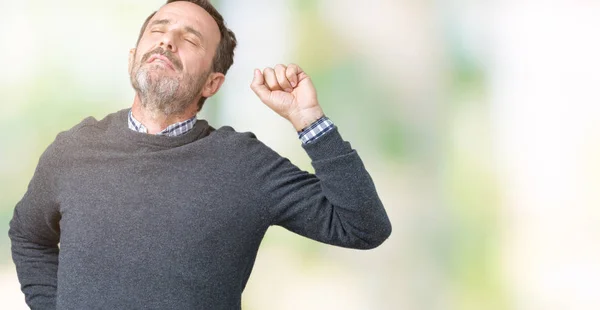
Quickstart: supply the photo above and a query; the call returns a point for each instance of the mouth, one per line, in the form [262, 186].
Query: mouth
[161, 58]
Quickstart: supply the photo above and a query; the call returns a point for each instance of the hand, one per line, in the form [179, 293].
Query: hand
[289, 92]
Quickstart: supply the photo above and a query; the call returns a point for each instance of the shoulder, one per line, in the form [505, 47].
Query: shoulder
[234, 138]
[88, 129]
[92, 126]
[228, 133]
[64, 138]
[242, 143]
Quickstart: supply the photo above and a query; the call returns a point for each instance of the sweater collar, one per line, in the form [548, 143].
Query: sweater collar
[120, 126]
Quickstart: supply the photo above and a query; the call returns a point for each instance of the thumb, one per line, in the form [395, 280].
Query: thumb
[259, 87]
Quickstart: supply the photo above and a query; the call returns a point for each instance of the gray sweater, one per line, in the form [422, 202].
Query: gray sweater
[156, 222]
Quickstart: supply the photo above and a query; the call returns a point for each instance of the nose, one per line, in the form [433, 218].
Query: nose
[166, 42]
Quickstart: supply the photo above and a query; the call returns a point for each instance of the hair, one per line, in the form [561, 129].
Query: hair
[223, 58]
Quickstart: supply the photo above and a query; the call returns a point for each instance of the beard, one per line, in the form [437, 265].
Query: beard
[160, 92]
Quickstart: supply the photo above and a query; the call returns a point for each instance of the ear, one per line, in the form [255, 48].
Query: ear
[131, 58]
[213, 84]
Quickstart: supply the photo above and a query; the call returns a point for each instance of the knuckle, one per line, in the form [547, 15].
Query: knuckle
[280, 69]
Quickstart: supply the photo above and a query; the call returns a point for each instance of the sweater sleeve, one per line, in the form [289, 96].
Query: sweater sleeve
[34, 233]
[337, 205]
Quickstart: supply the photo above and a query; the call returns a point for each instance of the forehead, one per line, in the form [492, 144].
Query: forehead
[187, 14]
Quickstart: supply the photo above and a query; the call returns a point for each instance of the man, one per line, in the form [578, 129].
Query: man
[157, 210]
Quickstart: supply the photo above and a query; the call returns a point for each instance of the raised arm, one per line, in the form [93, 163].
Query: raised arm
[339, 203]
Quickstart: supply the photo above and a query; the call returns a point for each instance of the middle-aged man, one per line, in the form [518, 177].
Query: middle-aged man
[155, 209]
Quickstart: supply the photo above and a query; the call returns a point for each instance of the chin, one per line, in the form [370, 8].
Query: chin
[156, 76]
[159, 70]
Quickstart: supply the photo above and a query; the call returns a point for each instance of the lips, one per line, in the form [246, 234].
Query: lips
[162, 58]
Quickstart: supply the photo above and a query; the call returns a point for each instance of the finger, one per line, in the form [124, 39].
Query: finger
[271, 79]
[282, 79]
[291, 73]
[259, 87]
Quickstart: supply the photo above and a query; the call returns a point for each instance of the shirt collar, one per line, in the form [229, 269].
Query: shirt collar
[172, 130]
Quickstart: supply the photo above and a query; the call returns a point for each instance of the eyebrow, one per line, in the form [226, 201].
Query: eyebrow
[186, 28]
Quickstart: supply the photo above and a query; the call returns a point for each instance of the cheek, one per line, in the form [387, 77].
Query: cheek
[195, 65]
[143, 47]
[137, 57]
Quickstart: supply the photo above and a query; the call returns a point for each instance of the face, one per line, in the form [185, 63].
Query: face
[170, 69]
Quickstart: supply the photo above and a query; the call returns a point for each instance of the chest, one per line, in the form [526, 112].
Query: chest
[158, 200]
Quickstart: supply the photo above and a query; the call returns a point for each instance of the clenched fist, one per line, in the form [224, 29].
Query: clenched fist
[288, 91]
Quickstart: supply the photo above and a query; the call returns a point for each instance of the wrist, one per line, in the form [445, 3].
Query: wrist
[305, 118]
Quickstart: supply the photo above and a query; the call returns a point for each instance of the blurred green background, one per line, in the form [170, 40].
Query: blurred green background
[477, 120]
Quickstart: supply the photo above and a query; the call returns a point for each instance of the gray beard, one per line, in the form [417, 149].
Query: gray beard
[166, 95]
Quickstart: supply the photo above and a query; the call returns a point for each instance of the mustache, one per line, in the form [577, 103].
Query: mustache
[161, 51]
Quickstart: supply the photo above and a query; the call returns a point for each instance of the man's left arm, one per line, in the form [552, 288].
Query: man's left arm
[338, 204]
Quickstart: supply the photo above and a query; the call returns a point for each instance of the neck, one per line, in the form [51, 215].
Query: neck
[156, 121]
